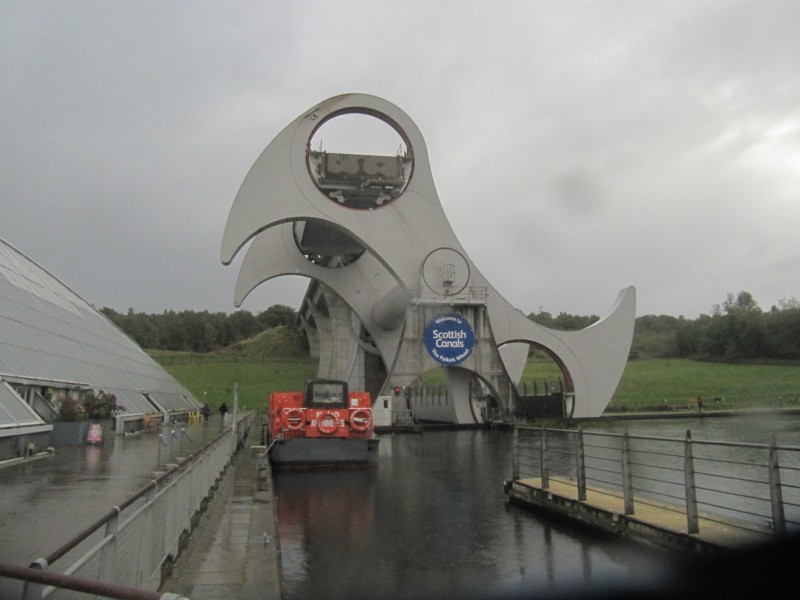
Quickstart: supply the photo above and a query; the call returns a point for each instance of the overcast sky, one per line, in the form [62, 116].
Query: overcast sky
[577, 147]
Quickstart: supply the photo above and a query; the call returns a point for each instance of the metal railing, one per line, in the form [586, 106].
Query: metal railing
[198, 358]
[540, 388]
[127, 546]
[753, 484]
[402, 417]
[444, 294]
[435, 394]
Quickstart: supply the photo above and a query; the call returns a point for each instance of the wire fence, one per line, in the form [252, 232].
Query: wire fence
[754, 484]
[215, 358]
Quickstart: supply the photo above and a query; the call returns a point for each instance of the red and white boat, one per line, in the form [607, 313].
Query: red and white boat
[324, 425]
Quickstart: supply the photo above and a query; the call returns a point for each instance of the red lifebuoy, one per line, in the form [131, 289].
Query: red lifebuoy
[294, 418]
[328, 424]
[360, 420]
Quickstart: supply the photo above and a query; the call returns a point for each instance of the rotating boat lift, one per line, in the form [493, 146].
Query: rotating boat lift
[389, 277]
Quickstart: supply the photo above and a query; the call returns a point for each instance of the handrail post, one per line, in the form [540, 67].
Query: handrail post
[581, 467]
[108, 568]
[514, 454]
[144, 559]
[775, 490]
[543, 459]
[627, 477]
[30, 589]
[692, 521]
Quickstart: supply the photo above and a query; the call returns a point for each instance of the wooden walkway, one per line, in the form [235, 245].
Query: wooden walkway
[655, 523]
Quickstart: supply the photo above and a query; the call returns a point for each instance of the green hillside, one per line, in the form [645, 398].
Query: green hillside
[274, 360]
[213, 382]
[278, 342]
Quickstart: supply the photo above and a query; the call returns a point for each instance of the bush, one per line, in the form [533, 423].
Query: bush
[101, 406]
[71, 410]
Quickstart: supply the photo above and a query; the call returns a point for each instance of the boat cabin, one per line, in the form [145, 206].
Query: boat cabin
[325, 393]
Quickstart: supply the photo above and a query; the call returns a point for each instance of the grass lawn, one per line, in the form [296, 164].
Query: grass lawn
[662, 383]
[652, 384]
[666, 384]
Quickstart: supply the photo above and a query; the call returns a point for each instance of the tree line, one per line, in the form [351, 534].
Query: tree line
[192, 331]
[736, 330]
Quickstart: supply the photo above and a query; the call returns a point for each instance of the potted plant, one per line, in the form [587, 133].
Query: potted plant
[101, 407]
[76, 414]
[72, 424]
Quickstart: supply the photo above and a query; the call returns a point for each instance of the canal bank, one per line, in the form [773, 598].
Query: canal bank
[234, 551]
[688, 414]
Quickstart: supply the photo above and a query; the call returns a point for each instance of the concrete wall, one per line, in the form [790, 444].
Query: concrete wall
[16, 446]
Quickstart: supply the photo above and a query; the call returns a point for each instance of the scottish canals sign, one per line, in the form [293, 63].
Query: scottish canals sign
[449, 339]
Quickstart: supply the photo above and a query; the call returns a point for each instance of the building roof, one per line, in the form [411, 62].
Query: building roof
[51, 337]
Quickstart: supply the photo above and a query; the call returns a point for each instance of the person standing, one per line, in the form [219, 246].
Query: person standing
[223, 410]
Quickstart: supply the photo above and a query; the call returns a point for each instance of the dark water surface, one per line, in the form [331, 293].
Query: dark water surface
[752, 429]
[431, 521]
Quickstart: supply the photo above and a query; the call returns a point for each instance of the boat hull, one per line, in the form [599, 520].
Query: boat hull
[324, 452]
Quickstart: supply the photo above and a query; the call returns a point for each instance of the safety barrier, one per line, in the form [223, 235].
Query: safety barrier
[402, 417]
[755, 484]
[127, 547]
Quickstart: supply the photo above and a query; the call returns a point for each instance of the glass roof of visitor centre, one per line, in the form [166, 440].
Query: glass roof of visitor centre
[50, 337]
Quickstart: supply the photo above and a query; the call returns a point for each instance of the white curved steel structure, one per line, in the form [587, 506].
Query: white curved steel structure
[403, 238]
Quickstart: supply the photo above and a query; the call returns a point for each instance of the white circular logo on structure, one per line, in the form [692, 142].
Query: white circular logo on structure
[449, 339]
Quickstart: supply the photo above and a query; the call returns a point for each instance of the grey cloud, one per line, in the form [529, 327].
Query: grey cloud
[578, 147]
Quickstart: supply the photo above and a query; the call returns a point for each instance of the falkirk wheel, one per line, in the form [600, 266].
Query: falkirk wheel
[393, 293]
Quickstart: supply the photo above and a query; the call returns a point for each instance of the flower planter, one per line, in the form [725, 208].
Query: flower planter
[107, 430]
[69, 433]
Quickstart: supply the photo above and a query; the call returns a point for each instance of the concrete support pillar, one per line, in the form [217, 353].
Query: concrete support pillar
[484, 361]
[340, 355]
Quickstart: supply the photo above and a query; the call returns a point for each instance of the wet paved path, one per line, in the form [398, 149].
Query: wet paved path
[47, 500]
[227, 557]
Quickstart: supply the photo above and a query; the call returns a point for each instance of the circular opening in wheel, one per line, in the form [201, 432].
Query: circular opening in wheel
[359, 159]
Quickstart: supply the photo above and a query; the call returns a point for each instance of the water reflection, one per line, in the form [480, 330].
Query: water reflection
[431, 520]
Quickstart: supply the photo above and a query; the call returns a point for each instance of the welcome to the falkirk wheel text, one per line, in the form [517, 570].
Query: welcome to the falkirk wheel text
[449, 339]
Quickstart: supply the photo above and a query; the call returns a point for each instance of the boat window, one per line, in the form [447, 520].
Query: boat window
[327, 394]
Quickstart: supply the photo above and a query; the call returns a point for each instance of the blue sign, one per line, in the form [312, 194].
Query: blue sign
[449, 339]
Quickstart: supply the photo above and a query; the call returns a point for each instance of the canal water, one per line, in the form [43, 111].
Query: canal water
[751, 429]
[431, 521]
